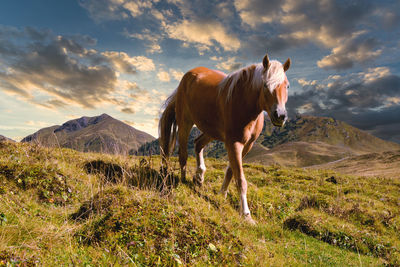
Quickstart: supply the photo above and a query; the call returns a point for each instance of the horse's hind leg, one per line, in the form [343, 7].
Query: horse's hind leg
[227, 181]
[201, 141]
[183, 136]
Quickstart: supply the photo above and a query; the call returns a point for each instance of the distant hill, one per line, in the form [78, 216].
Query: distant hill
[303, 141]
[3, 138]
[215, 149]
[298, 154]
[92, 134]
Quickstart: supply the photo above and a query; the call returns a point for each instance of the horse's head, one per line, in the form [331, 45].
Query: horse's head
[275, 92]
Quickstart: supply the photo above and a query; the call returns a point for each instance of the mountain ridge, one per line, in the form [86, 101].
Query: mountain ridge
[101, 133]
[4, 138]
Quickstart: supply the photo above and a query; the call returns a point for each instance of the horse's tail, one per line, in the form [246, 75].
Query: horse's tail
[167, 127]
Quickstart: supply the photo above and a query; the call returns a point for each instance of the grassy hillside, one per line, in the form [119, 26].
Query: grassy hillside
[63, 207]
[384, 164]
[92, 134]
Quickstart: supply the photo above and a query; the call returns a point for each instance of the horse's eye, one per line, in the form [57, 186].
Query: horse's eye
[288, 86]
[265, 85]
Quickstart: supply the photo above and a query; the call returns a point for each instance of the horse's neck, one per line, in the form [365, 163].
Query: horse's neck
[246, 102]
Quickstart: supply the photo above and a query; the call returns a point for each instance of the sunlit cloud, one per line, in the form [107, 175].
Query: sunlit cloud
[203, 33]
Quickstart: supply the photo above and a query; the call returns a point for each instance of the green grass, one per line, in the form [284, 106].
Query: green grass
[55, 210]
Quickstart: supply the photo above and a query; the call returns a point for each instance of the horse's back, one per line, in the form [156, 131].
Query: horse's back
[197, 98]
[206, 77]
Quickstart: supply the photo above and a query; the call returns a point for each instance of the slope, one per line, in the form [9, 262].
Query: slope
[3, 138]
[62, 207]
[96, 134]
[386, 164]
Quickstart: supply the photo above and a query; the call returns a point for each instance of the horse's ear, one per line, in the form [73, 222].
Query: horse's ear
[266, 61]
[286, 65]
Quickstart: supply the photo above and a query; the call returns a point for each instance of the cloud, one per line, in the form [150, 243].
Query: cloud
[128, 110]
[101, 10]
[53, 71]
[54, 67]
[152, 40]
[39, 124]
[124, 63]
[350, 51]
[203, 33]
[256, 12]
[330, 24]
[230, 64]
[176, 74]
[163, 76]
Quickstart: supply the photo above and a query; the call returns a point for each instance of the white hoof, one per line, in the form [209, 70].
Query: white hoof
[249, 220]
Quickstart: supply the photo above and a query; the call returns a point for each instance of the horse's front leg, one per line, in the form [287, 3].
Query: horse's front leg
[235, 151]
[228, 172]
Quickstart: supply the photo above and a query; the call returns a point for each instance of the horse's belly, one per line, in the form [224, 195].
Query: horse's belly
[206, 115]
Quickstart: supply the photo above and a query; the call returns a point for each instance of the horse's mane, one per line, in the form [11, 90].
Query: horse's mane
[252, 78]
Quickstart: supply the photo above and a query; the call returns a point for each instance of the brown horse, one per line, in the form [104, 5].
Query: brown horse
[228, 108]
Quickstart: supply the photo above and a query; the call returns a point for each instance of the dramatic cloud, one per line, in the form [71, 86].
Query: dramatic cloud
[350, 51]
[56, 71]
[330, 24]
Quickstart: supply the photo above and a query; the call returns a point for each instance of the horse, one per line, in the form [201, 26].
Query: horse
[229, 108]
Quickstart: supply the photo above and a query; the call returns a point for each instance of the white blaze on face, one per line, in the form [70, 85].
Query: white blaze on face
[282, 97]
[274, 76]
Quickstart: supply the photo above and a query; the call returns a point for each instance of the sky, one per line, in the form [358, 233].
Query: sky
[64, 59]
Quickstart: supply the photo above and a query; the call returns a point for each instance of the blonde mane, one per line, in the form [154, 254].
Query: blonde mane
[253, 77]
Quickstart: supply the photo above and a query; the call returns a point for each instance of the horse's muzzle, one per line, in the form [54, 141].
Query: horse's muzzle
[278, 120]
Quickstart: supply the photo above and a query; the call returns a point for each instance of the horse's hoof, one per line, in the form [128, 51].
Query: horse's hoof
[249, 220]
[224, 193]
[197, 182]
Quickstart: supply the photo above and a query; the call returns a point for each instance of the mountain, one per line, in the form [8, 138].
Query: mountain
[303, 141]
[3, 138]
[327, 130]
[92, 134]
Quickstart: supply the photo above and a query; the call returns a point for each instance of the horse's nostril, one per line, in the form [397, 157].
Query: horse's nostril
[282, 117]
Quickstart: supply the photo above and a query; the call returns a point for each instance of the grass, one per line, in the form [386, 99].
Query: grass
[62, 207]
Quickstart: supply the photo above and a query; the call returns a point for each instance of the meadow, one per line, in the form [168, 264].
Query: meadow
[63, 207]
